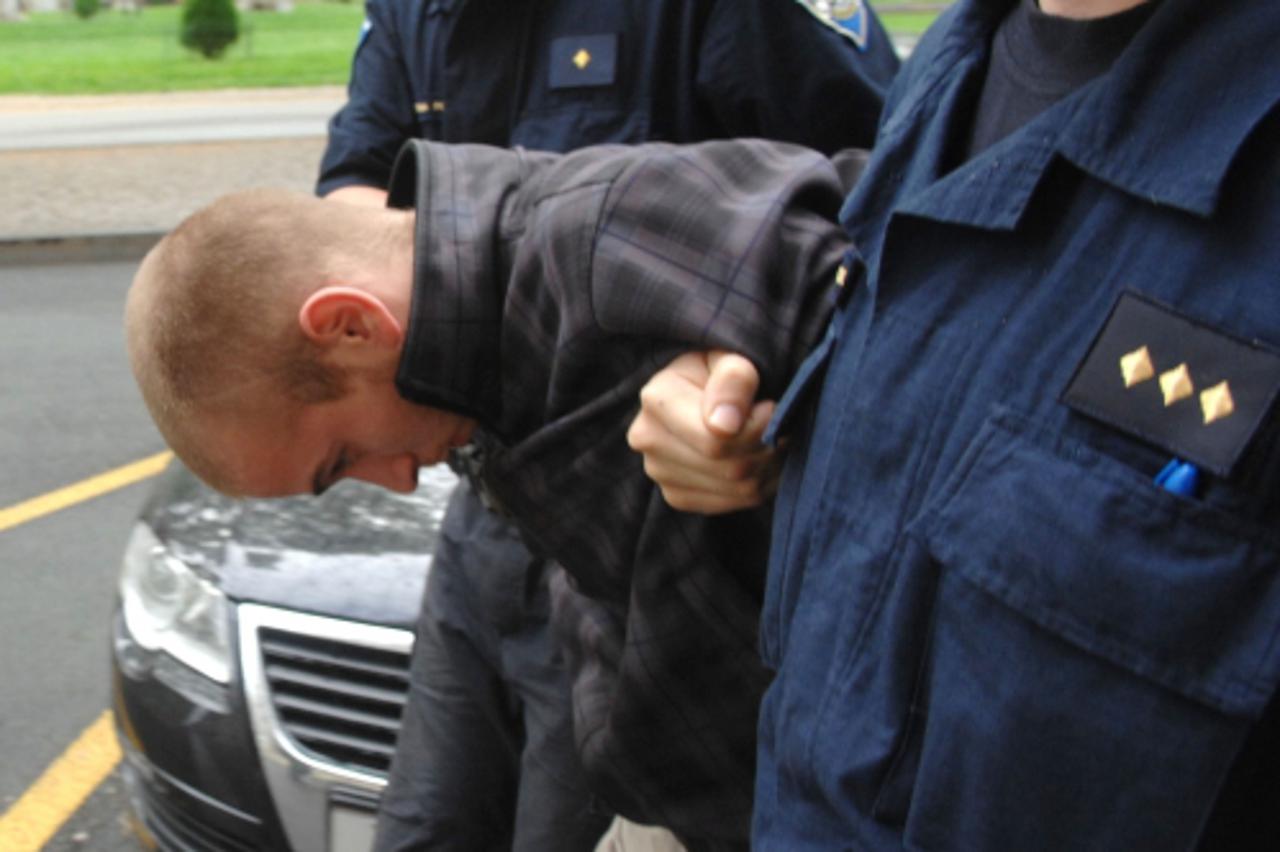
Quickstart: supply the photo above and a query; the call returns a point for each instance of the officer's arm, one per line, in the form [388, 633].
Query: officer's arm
[367, 196]
[366, 133]
[699, 430]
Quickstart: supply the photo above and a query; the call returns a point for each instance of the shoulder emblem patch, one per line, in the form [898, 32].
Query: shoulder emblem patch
[1196, 391]
[847, 17]
[365, 29]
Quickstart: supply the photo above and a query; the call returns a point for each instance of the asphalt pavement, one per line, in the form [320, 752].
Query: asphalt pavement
[88, 178]
[83, 181]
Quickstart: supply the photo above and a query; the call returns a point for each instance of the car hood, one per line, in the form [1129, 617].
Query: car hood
[358, 552]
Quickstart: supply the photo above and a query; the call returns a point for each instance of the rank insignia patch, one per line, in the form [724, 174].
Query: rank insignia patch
[583, 61]
[1193, 390]
[847, 17]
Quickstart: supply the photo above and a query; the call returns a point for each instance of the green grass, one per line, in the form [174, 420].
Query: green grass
[908, 17]
[56, 53]
[906, 23]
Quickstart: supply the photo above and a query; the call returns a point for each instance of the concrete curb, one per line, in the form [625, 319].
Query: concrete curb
[77, 248]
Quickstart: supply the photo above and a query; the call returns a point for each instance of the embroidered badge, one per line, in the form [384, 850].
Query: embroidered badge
[847, 17]
[1193, 390]
[583, 61]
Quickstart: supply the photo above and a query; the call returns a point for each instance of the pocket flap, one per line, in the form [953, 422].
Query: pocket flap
[1172, 590]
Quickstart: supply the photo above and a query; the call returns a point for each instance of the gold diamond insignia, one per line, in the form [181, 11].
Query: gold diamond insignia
[1216, 402]
[582, 59]
[1176, 384]
[1136, 367]
[842, 274]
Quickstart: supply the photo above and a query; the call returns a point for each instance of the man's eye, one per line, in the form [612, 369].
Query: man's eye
[339, 466]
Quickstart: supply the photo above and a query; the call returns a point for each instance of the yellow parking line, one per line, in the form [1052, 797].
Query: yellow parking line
[87, 489]
[29, 823]
[61, 790]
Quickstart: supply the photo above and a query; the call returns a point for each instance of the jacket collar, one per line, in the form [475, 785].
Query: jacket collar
[451, 351]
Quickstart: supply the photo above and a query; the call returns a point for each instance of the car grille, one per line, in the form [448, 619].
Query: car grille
[337, 700]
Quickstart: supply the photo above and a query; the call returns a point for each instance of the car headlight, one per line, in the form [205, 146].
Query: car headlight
[168, 607]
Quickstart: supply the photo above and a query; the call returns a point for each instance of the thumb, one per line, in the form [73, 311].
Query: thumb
[730, 391]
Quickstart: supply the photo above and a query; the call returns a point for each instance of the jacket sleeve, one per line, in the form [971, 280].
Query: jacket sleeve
[628, 256]
[559, 280]
[730, 245]
[775, 69]
[367, 132]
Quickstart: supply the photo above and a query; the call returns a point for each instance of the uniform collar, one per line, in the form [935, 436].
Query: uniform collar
[1180, 103]
[1164, 124]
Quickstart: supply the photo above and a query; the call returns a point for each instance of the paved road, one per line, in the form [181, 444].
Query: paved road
[68, 410]
[43, 123]
[68, 407]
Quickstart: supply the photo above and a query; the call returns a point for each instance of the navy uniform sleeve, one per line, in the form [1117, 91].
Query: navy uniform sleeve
[366, 134]
[781, 70]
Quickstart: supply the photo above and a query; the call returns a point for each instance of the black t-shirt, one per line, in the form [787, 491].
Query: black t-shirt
[1037, 59]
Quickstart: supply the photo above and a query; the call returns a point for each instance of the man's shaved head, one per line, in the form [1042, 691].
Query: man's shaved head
[211, 318]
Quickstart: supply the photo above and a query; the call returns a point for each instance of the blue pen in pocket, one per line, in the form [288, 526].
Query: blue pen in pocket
[1179, 477]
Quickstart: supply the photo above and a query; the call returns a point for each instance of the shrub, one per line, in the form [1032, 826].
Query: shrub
[87, 8]
[209, 26]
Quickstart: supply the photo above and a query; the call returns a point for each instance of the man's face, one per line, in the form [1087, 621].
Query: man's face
[371, 434]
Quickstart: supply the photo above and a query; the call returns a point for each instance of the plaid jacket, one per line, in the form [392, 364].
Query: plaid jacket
[548, 289]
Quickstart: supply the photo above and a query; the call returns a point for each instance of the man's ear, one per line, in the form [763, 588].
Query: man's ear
[337, 315]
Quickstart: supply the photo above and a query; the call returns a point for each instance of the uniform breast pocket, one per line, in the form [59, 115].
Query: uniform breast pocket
[1098, 649]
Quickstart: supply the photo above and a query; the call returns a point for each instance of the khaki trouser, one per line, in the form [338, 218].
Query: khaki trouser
[624, 836]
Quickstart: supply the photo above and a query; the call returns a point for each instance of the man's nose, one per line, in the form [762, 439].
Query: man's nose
[395, 473]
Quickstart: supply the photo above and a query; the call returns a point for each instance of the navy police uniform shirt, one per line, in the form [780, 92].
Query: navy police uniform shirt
[993, 629]
[560, 75]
